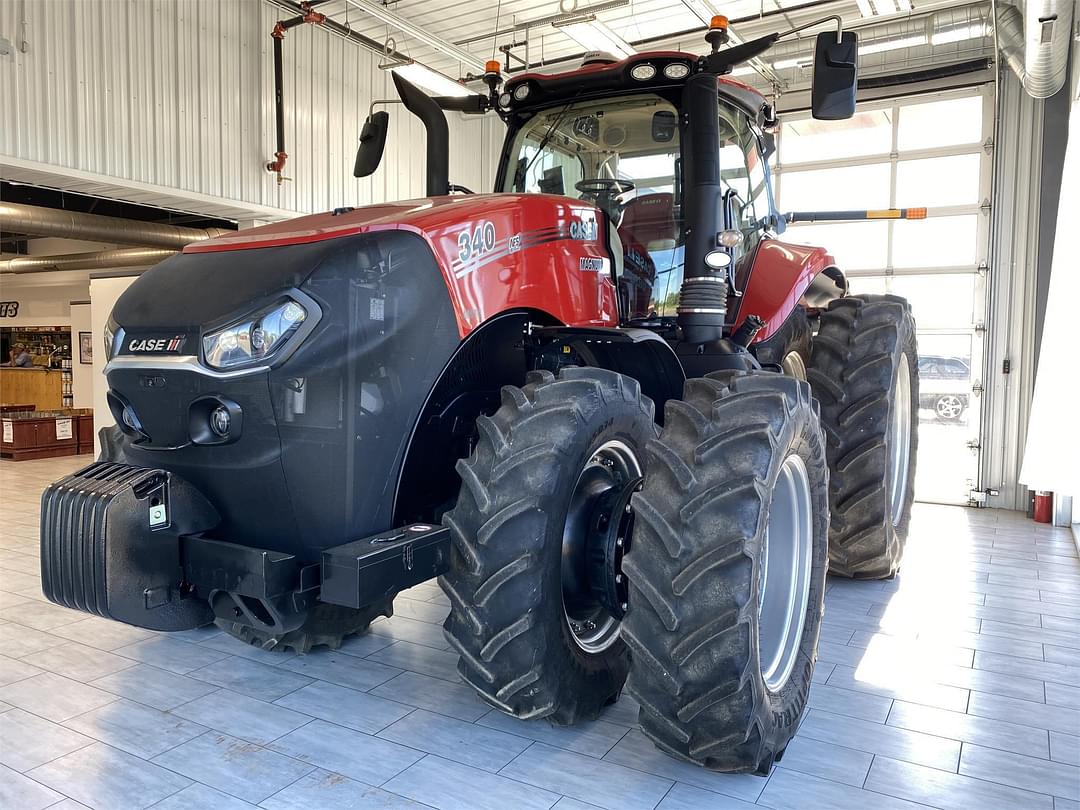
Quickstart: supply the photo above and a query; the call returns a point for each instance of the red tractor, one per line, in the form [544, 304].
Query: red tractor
[627, 425]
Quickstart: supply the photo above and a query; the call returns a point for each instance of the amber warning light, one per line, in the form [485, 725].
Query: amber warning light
[718, 22]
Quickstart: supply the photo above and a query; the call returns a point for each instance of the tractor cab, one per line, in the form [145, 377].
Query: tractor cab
[622, 150]
[671, 151]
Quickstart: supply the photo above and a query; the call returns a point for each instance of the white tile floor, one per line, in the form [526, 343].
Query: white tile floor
[955, 686]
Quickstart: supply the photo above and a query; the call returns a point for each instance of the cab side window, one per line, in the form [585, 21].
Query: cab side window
[742, 174]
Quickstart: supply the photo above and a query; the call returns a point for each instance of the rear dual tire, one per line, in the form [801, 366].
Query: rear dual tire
[864, 371]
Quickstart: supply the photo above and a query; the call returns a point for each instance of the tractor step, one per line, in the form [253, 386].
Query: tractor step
[365, 571]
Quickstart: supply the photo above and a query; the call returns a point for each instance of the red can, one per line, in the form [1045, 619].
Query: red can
[1044, 507]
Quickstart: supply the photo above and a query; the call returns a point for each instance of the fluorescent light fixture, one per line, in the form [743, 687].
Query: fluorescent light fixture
[797, 62]
[743, 70]
[892, 44]
[431, 80]
[704, 11]
[960, 33]
[593, 35]
[882, 8]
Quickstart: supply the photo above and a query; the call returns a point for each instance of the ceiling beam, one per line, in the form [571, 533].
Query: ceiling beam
[411, 29]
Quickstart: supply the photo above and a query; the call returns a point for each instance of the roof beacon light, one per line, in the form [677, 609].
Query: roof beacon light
[492, 66]
[717, 34]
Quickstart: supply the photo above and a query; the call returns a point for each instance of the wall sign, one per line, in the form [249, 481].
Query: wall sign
[9, 309]
[63, 429]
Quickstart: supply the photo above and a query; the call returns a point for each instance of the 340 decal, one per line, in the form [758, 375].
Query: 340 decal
[474, 243]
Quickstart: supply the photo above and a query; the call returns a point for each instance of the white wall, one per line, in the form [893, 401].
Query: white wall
[82, 376]
[103, 294]
[40, 304]
[179, 94]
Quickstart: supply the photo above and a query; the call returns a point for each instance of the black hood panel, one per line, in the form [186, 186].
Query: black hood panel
[194, 289]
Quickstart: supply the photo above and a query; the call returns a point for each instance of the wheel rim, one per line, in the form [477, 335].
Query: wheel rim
[794, 366]
[784, 573]
[596, 535]
[948, 407]
[899, 441]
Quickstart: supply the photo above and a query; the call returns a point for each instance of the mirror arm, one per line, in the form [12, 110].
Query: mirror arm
[804, 26]
[371, 109]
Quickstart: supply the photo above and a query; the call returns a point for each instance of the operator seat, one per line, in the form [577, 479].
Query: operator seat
[647, 226]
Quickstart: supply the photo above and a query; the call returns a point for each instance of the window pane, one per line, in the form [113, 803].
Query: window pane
[938, 300]
[938, 181]
[935, 242]
[940, 123]
[865, 133]
[862, 245]
[835, 189]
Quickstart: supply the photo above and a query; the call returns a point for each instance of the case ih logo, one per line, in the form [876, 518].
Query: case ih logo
[165, 344]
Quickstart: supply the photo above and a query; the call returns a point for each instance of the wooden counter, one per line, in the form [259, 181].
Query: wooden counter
[37, 385]
[44, 434]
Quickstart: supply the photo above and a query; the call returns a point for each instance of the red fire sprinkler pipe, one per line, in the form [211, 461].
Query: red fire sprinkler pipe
[277, 165]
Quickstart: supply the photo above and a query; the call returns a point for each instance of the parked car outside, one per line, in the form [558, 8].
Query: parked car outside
[944, 386]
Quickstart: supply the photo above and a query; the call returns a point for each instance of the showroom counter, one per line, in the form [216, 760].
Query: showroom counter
[44, 434]
[41, 386]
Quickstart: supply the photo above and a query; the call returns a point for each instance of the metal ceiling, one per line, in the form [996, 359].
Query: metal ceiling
[481, 27]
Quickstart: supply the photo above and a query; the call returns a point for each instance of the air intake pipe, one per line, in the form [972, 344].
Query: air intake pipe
[428, 111]
[1035, 43]
[703, 297]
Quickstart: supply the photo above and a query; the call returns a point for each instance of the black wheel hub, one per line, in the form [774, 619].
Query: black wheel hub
[595, 539]
[607, 543]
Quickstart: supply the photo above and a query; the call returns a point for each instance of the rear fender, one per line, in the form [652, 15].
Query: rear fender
[784, 275]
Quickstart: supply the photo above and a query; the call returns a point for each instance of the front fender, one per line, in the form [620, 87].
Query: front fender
[783, 275]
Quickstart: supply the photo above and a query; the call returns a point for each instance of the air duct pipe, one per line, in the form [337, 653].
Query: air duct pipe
[1035, 43]
[940, 27]
[38, 221]
[101, 260]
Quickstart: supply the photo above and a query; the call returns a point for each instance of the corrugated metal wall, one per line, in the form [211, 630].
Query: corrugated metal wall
[179, 93]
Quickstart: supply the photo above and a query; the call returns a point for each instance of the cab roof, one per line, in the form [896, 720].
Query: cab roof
[551, 88]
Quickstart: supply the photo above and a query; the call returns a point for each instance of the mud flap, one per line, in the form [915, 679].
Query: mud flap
[110, 545]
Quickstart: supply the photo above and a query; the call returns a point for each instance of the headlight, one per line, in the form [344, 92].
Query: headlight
[255, 338]
[114, 335]
[677, 70]
[643, 72]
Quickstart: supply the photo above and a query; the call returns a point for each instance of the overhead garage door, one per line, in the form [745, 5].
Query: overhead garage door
[932, 151]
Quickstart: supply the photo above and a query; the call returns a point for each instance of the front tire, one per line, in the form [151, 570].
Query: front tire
[864, 370]
[723, 643]
[535, 608]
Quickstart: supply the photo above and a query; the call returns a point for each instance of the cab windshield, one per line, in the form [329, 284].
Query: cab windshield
[623, 155]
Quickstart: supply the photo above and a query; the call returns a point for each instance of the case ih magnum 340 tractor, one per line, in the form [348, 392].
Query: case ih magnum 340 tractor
[625, 423]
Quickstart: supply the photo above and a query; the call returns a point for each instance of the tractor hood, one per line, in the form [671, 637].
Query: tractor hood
[495, 251]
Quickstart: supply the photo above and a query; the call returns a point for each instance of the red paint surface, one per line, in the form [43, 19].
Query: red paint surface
[777, 280]
[546, 277]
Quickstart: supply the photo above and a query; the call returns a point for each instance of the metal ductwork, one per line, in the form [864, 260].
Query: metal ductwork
[100, 260]
[37, 221]
[1034, 41]
[947, 25]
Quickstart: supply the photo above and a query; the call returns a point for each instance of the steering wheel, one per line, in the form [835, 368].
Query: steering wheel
[609, 187]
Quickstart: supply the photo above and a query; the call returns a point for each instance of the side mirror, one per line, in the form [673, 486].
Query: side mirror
[835, 76]
[372, 143]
